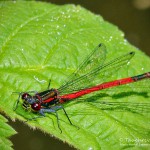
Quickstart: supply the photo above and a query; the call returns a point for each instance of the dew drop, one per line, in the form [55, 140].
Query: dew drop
[122, 34]
[103, 37]
[142, 68]
[58, 33]
[125, 42]
[90, 148]
[52, 135]
[86, 44]
[57, 26]
[128, 63]
[110, 38]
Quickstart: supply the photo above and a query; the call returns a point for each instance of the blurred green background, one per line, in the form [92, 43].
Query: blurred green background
[133, 18]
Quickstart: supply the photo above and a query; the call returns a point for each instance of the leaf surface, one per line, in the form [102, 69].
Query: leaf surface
[41, 41]
[5, 132]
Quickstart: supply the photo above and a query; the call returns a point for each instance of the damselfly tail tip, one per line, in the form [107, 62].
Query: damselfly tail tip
[148, 74]
[132, 53]
[100, 45]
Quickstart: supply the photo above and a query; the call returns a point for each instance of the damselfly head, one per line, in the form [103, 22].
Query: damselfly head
[25, 96]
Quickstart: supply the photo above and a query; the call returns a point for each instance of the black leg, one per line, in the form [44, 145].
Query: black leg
[58, 122]
[68, 117]
[53, 110]
[49, 84]
[30, 119]
[17, 102]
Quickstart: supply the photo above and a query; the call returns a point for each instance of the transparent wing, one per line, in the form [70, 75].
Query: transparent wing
[95, 59]
[123, 106]
[92, 66]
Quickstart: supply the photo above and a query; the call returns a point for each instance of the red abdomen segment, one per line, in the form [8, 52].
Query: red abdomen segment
[103, 86]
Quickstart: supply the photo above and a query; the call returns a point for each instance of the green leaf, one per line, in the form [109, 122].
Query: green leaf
[41, 41]
[5, 132]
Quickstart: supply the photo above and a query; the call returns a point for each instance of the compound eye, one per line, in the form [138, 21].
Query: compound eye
[25, 96]
[36, 106]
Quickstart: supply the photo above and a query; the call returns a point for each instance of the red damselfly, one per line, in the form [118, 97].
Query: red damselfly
[88, 78]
